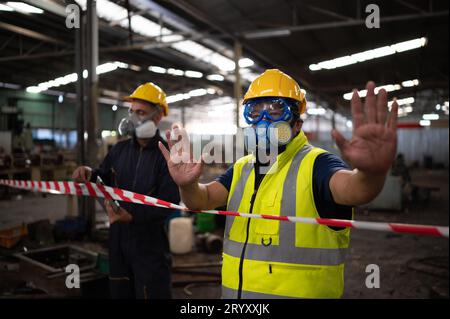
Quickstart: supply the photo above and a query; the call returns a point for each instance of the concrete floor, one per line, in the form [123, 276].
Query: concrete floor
[410, 266]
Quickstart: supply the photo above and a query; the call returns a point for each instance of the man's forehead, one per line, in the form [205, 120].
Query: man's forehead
[141, 105]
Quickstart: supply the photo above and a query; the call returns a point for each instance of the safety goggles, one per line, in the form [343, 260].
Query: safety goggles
[272, 108]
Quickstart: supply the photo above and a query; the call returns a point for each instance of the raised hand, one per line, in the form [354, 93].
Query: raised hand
[183, 169]
[373, 146]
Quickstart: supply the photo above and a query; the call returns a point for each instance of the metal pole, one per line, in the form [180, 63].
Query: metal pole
[237, 75]
[79, 64]
[92, 96]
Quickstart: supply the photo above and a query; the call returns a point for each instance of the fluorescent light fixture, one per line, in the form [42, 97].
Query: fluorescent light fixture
[438, 107]
[410, 44]
[117, 15]
[204, 54]
[193, 74]
[425, 123]
[246, 62]
[431, 117]
[317, 111]
[157, 69]
[60, 99]
[410, 83]
[5, 8]
[197, 92]
[408, 100]
[387, 87]
[23, 7]
[73, 77]
[185, 96]
[175, 72]
[215, 77]
[267, 34]
[369, 54]
[33, 89]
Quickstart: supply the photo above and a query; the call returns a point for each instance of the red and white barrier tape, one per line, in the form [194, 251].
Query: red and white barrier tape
[96, 190]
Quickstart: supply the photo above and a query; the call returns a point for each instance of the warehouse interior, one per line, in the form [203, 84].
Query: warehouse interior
[66, 66]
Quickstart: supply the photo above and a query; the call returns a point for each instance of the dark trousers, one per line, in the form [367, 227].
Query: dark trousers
[139, 263]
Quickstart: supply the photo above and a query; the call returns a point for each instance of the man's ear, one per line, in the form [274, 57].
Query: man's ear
[157, 118]
[297, 127]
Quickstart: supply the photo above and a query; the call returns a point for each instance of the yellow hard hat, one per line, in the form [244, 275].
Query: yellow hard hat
[273, 82]
[152, 93]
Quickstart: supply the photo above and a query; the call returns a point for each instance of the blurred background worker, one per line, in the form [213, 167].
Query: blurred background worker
[139, 252]
[272, 259]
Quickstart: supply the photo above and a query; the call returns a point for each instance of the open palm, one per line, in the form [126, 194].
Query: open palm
[182, 168]
[373, 145]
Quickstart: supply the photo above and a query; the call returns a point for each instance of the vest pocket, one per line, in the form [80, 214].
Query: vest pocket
[267, 227]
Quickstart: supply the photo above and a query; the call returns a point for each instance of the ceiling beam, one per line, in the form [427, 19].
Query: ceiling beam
[29, 33]
[269, 33]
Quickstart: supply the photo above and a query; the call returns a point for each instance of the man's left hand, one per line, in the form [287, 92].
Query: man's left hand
[373, 145]
[121, 215]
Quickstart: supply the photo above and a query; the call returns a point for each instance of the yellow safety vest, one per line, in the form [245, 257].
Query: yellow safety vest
[272, 259]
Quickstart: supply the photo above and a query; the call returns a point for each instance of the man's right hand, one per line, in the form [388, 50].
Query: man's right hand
[186, 173]
[82, 174]
[182, 168]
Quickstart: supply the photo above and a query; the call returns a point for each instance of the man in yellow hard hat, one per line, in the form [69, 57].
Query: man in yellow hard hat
[139, 255]
[272, 259]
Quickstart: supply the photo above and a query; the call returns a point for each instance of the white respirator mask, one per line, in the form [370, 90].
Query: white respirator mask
[134, 124]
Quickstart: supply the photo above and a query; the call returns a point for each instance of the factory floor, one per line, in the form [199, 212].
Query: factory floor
[410, 266]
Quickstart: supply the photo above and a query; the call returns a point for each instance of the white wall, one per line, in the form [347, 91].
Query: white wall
[415, 143]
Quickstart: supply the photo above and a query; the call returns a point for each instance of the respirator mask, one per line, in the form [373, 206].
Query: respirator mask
[142, 127]
[270, 118]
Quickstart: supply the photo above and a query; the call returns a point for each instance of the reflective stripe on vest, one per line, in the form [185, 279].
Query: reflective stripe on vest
[236, 197]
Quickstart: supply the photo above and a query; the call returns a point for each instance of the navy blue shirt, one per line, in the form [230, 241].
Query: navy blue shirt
[325, 165]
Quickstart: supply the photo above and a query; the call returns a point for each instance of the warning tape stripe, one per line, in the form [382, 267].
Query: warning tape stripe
[102, 191]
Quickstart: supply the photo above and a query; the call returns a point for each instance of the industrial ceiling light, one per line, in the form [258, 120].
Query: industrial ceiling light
[430, 117]
[185, 96]
[405, 101]
[215, 77]
[410, 83]
[175, 72]
[143, 26]
[73, 77]
[157, 69]
[316, 111]
[5, 8]
[387, 87]
[267, 34]
[193, 74]
[245, 62]
[23, 7]
[369, 54]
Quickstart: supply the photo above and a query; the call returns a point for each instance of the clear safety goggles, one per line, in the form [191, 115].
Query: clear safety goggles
[271, 108]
